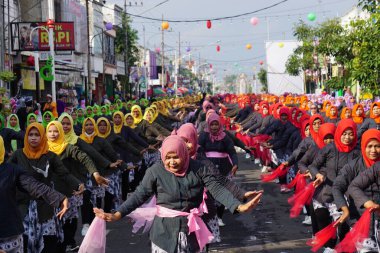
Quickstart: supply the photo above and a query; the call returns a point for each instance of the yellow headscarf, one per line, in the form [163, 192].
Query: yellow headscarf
[70, 137]
[2, 150]
[86, 137]
[164, 111]
[43, 148]
[108, 132]
[140, 118]
[117, 129]
[133, 126]
[155, 111]
[150, 111]
[60, 144]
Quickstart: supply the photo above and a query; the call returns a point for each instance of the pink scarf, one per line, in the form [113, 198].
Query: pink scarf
[189, 132]
[220, 134]
[175, 144]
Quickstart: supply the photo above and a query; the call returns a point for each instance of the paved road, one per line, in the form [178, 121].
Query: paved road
[267, 228]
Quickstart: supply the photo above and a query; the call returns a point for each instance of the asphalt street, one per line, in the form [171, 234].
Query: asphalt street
[267, 228]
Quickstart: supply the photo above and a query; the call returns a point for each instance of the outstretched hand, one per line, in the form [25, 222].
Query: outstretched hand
[250, 204]
[109, 217]
[251, 194]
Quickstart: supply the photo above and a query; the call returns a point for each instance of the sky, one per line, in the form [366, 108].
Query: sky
[231, 34]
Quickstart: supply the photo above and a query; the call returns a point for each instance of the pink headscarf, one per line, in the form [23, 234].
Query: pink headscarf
[189, 132]
[220, 134]
[175, 144]
[206, 104]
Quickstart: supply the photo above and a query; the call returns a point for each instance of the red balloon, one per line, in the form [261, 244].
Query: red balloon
[261, 62]
[218, 48]
[30, 60]
[208, 24]
[210, 66]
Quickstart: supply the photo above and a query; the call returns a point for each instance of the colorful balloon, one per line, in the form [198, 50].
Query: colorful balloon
[158, 50]
[165, 25]
[109, 26]
[311, 16]
[280, 44]
[261, 62]
[208, 24]
[218, 48]
[254, 21]
[248, 46]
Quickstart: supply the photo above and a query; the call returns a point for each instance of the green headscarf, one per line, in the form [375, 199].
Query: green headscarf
[29, 116]
[15, 128]
[119, 104]
[2, 122]
[108, 112]
[80, 119]
[44, 122]
[91, 115]
[98, 111]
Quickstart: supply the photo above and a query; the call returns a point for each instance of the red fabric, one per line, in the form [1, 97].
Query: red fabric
[314, 134]
[343, 125]
[279, 172]
[366, 138]
[357, 234]
[326, 129]
[301, 199]
[322, 237]
[304, 124]
[275, 108]
[301, 183]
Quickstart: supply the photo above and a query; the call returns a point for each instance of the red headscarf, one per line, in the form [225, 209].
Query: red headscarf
[376, 118]
[275, 107]
[189, 132]
[220, 134]
[324, 130]
[314, 134]
[264, 105]
[358, 119]
[343, 125]
[304, 124]
[285, 110]
[366, 138]
[175, 144]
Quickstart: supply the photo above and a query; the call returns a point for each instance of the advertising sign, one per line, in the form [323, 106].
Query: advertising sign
[29, 36]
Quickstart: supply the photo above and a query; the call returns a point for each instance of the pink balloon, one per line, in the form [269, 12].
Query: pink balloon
[254, 21]
[158, 50]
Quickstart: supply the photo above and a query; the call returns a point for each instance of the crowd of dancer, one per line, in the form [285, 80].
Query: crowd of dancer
[179, 155]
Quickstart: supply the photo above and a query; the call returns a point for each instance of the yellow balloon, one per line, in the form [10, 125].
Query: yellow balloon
[165, 25]
[280, 44]
[248, 46]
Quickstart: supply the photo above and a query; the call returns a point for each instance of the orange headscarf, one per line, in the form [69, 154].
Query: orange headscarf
[358, 119]
[43, 148]
[367, 136]
[325, 103]
[328, 113]
[86, 137]
[375, 118]
[343, 114]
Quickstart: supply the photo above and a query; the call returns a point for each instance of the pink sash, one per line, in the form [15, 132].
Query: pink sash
[214, 154]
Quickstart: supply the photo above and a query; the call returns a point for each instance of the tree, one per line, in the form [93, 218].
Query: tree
[120, 44]
[262, 76]
[369, 5]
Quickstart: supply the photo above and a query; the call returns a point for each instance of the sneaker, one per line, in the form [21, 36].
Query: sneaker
[71, 248]
[264, 169]
[85, 229]
[220, 222]
[284, 189]
[328, 250]
[368, 245]
[307, 221]
[247, 156]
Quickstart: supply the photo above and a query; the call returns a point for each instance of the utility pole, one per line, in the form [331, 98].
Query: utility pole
[162, 55]
[51, 45]
[2, 40]
[126, 70]
[88, 81]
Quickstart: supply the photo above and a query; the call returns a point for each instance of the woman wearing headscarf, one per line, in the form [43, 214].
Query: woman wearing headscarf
[177, 183]
[14, 124]
[79, 164]
[219, 148]
[89, 112]
[80, 113]
[358, 115]
[149, 117]
[324, 170]
[346, 113]
[370, 154]
[90, 134]
[332, 115]
[12, 179]
[46, 118]
[8, 136]
[42, 230]
[31, 118]
[373, 121]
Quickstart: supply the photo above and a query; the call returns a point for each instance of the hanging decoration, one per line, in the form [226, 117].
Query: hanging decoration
[311, 16]
[46, 72]
[261, 62]
[236, 64]
[158, 50]
[30, 60]
[165, 25]
[218, 48]
[280, 44]
[254, 21]
[210, 66]
[208, 24]
[248, 46]
[188, 49]
[109, 26]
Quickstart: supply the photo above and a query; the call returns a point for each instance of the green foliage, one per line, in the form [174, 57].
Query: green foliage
[369, 5]
[230, 79]
[7, 76]
[262, 76]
